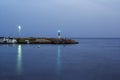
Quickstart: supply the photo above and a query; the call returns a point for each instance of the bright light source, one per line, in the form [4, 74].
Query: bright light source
[19, 28]
[59, 31]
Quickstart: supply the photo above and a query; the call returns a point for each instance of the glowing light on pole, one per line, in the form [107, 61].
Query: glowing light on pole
[59, 35]
[19, 30]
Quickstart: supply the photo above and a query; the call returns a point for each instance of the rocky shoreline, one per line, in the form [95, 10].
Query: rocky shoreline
[32, 40]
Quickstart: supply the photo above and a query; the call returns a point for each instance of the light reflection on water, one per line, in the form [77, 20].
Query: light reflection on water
[58, 60]
[19, 60]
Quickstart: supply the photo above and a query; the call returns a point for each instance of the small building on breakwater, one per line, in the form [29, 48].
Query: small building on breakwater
[4, 40]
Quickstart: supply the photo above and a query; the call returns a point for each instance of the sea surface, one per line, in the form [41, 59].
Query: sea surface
[91, 59]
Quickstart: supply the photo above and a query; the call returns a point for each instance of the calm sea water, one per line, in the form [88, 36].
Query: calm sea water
[91, 59]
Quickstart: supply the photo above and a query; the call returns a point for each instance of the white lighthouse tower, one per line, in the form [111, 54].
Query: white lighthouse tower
[59, 34]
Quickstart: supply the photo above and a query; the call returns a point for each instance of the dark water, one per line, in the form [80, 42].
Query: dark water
[92, 59]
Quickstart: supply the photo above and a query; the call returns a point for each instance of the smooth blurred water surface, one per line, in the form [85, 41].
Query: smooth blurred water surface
[91, 59]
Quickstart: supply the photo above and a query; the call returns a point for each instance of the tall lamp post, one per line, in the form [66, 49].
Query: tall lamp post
[19, 30]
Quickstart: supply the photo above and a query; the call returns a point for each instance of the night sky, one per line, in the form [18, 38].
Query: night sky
[75, 18]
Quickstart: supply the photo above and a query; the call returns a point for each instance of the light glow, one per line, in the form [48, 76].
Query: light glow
[59, 30]
[19, 28]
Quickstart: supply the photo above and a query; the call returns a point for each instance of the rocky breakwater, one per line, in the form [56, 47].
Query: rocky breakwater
[45, 41]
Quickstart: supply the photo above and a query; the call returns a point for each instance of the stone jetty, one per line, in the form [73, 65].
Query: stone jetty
[33, 40]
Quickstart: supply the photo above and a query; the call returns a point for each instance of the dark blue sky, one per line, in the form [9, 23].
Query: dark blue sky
[75, 18]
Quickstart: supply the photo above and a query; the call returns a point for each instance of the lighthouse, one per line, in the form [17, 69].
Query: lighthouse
[59, 34]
